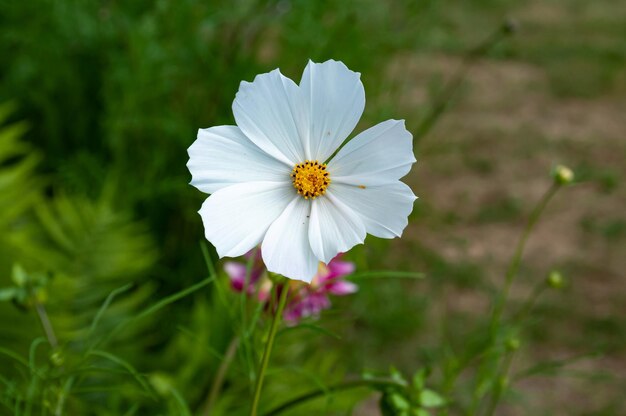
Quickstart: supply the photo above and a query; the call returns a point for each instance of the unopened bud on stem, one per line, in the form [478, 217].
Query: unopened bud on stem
[512, 344]
[562, 175]
[555, 280]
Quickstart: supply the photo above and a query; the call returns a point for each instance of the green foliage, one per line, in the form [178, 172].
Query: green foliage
[19, 187]
[72, 253]
[413, 399]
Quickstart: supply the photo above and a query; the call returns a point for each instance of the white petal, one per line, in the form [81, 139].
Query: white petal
[333, 101]
[267, 110]
[286, 249]
[223, 156]
[381, 154]
[383, 209]
[237, 217]
[334, 227]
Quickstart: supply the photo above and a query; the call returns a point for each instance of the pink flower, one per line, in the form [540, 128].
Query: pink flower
[305, 300]
[330, 278]
[311, 300]
[237, 272]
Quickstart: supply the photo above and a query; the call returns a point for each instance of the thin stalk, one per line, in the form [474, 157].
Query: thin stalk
[528, 306]
[46, 324]
[268, 347]
[443, 99]
[243, 297]
[519, 251]
[154, 308]
[346, 385]
[63, 396]
[502, 383]
[511, 273]
[246, 284]
[519, 317]
[216, 387]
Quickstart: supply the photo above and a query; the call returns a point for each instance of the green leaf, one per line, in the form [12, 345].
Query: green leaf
[19, 275]
[124, 364]
[419, 379]
[396, 375]
[311, 327]
[399, 402]
[160, 305]
[8, 293]
[14, 355]
[429, 398]
[106, 304]
[393, 403]
[183, 407]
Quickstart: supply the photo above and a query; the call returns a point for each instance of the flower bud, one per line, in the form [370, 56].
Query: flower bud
[57, 358]
[161, 383]
[562, 175]
[512, 344]
[555, 280]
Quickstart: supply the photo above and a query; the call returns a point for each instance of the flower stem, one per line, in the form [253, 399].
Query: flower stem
[519, 251]
[221, 375]
[447, 94]
[500, 303]
[519, 317]
[502, 383]
[46, 324]
[63, 396]
[346, 385]
[268, 346]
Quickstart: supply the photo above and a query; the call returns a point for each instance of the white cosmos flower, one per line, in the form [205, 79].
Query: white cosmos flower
[268, 181]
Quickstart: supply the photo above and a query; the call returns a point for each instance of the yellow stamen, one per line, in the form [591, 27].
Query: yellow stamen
[310, 179]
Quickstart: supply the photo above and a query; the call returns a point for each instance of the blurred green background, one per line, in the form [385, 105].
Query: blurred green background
[102, 98]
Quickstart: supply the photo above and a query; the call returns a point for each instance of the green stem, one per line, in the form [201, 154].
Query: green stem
[246, 283]
[519, 251]
[528, 306]
[443, 99]
[221, 375]
[46, 324]
[268, 347]
[511, 273]
[521, 315]
[63, 396]
[243, 297]
[346, 385]
[502, 383]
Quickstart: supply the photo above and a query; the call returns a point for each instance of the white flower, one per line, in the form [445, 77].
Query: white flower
[268, 181]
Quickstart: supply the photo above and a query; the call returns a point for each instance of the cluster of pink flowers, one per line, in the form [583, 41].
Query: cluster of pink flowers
[305, 300]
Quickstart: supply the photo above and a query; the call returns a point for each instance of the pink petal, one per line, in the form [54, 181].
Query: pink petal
[293, 313]
[339, 268]
[341, 288]
[311, 304]
[236, 273]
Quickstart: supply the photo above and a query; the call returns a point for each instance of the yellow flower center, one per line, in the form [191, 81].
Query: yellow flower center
[310, 178]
